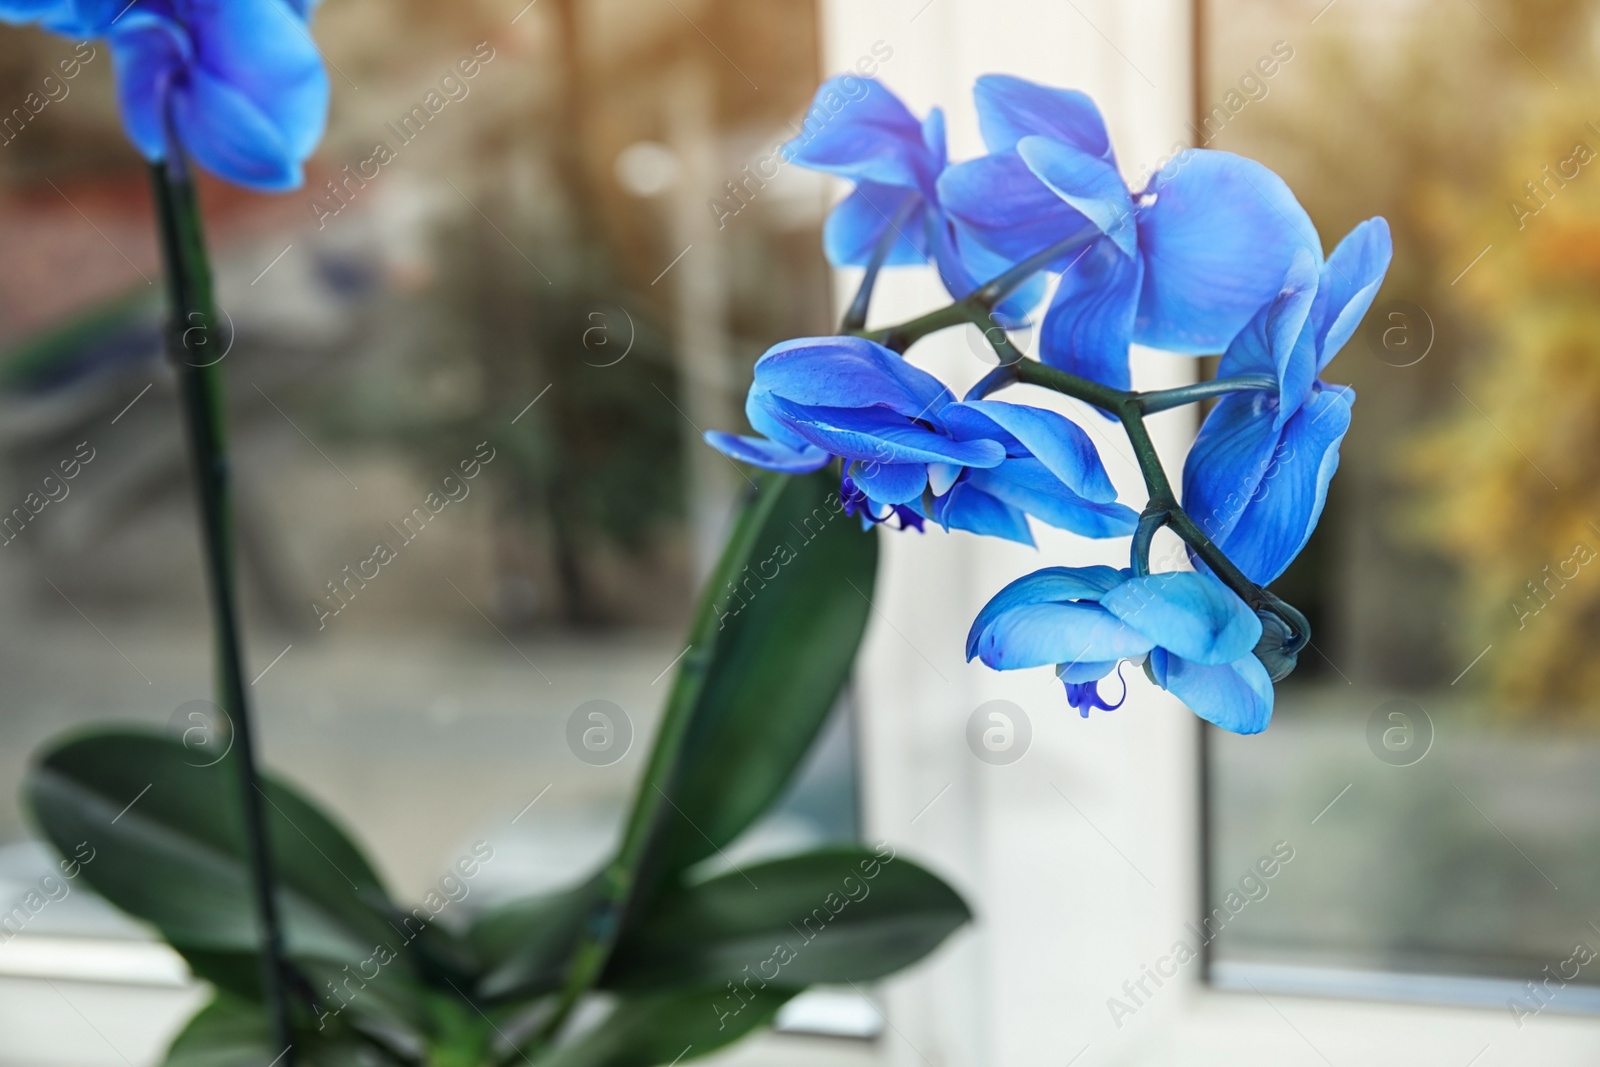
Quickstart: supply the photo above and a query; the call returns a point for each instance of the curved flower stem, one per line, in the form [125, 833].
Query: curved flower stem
[1299, 625]
[189, 337]
[1126, 406]
[1162, 499]
[901, 337]
[1212, 556]
[1130, 408]
[1107, 399]
[855, 317]
[976, 306]
[992, 292]
[1166, 399]
[1153, 519]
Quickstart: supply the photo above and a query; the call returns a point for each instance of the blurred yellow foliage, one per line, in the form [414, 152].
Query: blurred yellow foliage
[1509, 480]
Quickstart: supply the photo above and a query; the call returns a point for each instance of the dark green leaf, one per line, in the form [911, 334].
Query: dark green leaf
[836, 915]
[525, 944]
[670, 1027]
[232, 1032]
[166, 841]
[790, 625]
[66, 347]
[228, 1032]
[770, 648]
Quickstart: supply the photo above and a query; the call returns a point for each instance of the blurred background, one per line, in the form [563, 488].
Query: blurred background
[568, 273]
[1448, 584]
[534, 282]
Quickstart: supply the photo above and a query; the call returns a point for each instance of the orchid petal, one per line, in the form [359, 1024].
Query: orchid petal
[964, 264]
[1047, 586]
[890, 483]
[878, 435]
[759, 452]
[1036, 635]
[860, 130]
[1088, 184]
[1091, 318]
[1192, 615]
[260, 49]
[1055, 440]
[1027, 484]
[969, 508]
[1011, 108]
[857, 224]
[1000, 203]
[1233, 454]
[1277, 340]
[145, 54]
[1237, 696]
[1283, 511]
[1217, 241]
[849, 372]
[1350, 282]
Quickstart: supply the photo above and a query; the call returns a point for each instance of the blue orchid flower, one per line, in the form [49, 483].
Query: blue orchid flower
[910, 448]
[59, 16]
[1194, 634]
[1257, 477]
[239, 84]
[859, 130]
[1180, 265]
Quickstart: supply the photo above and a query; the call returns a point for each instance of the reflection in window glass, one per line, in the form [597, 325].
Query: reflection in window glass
[1430, 766]
[468, 367]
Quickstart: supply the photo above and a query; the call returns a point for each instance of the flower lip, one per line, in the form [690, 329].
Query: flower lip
[1086, 695]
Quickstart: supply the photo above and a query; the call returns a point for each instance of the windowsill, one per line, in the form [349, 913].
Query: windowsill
[1223, 1028]
[99, 960]
[1396, 987]
[117, 1002]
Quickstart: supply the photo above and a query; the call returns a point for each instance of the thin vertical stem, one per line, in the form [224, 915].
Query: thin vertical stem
[855, 317]
[191, 345]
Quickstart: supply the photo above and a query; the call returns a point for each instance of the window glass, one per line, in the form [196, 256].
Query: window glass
[1427, 781]
[468, 367]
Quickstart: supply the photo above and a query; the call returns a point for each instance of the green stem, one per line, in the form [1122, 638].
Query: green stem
[855, 318]
[901, 337]
[1166, 399]
[1162, 498]
[1156, 484]
[651, 805]
[1129, 408]
[1104, 397]
[992, 292]
[1153, 519]
[977, 305]
[1126, 405]
[189, 340]
[1251, 593]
